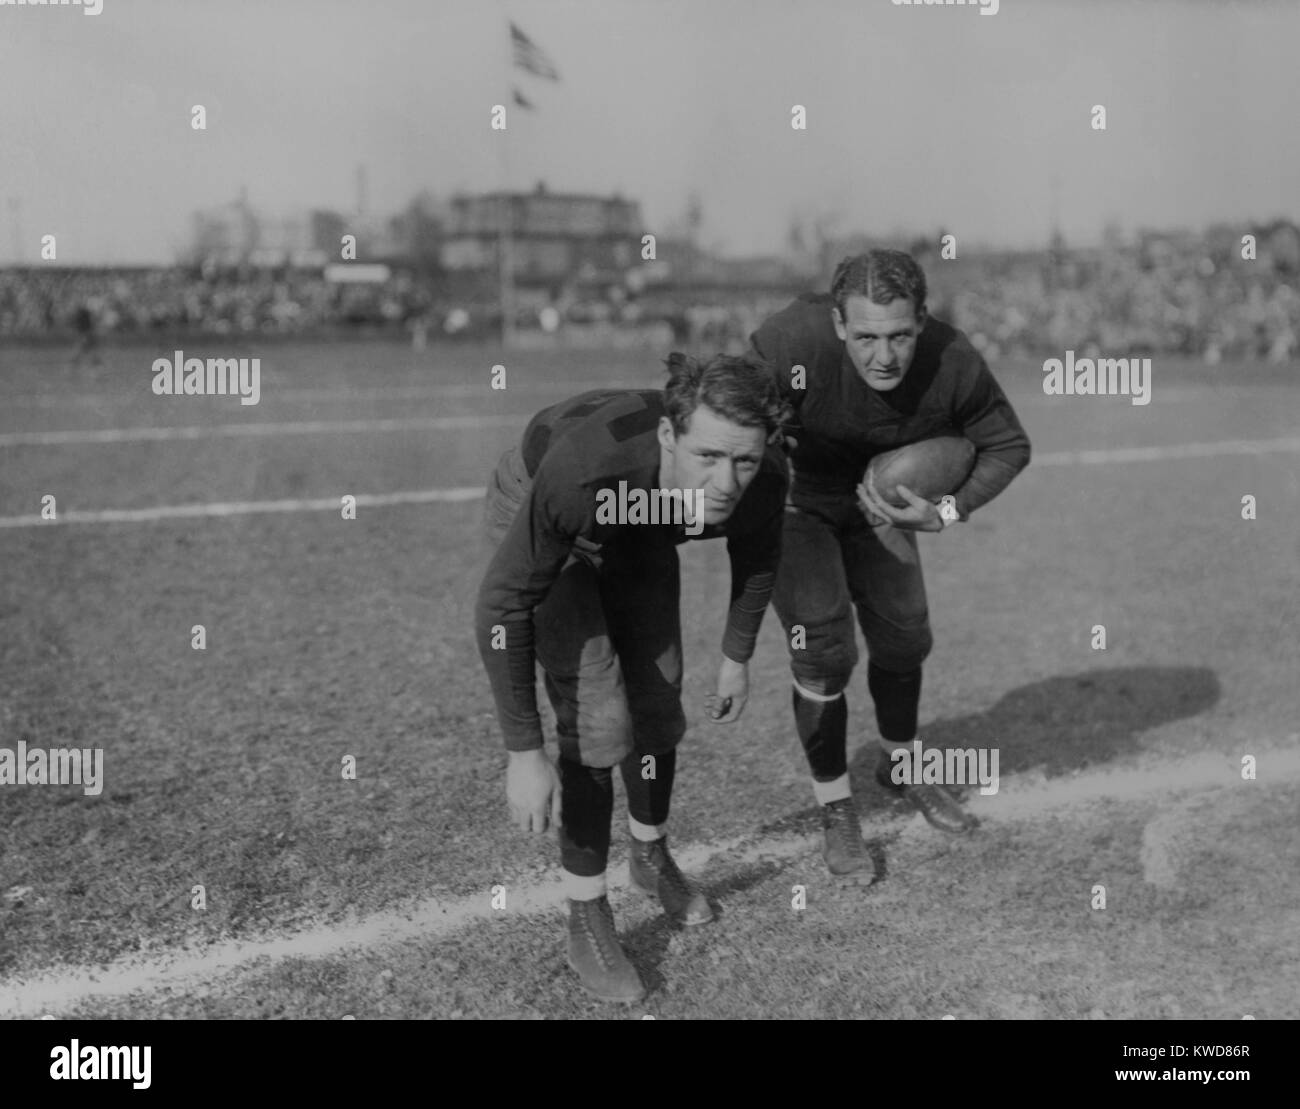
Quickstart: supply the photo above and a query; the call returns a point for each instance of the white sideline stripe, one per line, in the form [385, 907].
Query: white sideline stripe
[419, 392]
[1164, 454]
[226, 431]
[1023, 395]
[194, 970]
[455, 494]
[83, 436]
[1167, 840]
[398, 392]
[1028, 396]
[243, 508]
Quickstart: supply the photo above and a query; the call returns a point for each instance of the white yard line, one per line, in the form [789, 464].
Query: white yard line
[273, 392]
[466, 389]
[455, 494]
[244, 508]
[1166, 453]
[1169, 838]
[93, 436]
[263, 430]
[194, 970]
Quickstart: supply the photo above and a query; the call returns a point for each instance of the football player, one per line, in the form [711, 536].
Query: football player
[877, 372]
[595, 601]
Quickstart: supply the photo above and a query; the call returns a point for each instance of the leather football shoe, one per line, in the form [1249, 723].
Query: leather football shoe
[934, 802]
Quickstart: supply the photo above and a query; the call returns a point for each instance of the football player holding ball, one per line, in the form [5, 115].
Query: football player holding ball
[867, 371]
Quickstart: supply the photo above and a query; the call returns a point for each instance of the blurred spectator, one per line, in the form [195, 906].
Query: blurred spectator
[1172, 294]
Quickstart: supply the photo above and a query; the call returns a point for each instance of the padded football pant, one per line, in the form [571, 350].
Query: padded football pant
[587, 795]
[609, 643]
[608, 640]
[833, 565]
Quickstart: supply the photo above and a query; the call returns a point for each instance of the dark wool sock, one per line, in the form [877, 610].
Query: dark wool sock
[898, 699]
[823, 727]
[587, 798]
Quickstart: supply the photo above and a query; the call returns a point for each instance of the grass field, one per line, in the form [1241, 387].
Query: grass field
[329, 637]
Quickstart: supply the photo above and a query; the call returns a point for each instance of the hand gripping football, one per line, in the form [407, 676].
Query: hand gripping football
[930, 468]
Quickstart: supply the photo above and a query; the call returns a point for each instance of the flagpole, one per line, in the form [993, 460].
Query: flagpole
[505, 244]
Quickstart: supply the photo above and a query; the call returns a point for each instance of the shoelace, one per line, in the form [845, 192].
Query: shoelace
[603, 941]
[843, 821]
[666, 865]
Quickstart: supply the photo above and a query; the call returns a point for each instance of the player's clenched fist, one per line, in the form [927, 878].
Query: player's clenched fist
[532, 791]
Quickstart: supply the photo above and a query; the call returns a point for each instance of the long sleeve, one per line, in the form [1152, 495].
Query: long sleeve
[780, 341]
[985, 416]
[525, 566]
[754, 558]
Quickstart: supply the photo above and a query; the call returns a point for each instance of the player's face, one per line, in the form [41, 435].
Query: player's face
[880, 338]
[713, 455]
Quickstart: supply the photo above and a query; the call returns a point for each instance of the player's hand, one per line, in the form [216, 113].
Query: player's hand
[532, 791]
[919, 515]
[728, 701]
[873, 518]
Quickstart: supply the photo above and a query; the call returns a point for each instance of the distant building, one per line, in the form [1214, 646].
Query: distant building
[327, 231]
[225, 235]
[374, 237]
[285, 240]
[235, 234]
[555, 237]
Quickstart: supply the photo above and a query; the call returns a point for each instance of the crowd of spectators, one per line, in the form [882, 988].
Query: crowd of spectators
[36, 301]
[1157, 297]
[1181, 295]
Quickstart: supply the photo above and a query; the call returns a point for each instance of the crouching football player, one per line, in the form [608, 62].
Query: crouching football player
[878, 373]
[585, 583]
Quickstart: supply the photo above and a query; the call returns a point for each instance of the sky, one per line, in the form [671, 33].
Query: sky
[919, 119]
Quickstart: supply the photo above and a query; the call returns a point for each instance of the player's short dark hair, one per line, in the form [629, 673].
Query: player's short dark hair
[740, 388]
[881, 276]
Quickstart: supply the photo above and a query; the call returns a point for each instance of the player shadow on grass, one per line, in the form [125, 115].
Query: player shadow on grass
[1060, 724]
[1070, 722]
[647, 943]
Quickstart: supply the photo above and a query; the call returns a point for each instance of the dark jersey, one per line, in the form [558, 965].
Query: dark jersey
[840, 422]
[572, 452]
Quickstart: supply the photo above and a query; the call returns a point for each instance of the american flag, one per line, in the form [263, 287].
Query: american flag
[529, 56]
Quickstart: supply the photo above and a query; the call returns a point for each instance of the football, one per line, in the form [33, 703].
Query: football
[930, 468]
